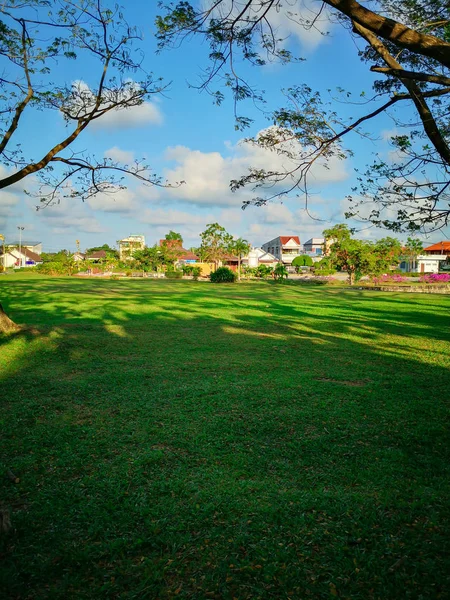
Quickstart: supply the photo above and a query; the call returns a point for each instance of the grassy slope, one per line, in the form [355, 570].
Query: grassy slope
[178, 439]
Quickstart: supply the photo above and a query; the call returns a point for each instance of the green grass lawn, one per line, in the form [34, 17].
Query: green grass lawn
[176, 439]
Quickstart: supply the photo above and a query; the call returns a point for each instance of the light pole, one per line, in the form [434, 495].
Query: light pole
[2, 237]
[20, 242]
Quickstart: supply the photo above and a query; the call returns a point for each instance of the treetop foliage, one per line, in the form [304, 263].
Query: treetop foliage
[406, 42]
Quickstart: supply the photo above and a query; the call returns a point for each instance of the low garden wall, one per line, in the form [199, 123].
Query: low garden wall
[414, 289]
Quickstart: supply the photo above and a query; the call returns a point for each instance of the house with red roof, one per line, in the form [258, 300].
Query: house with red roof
[439, 248]
[284, 248]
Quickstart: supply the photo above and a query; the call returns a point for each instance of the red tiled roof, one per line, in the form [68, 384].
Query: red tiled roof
[188, 255]
[285, 238]
[98, 254]
[444, 246]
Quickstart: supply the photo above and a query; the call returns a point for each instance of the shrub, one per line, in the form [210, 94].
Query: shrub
[324, 268]
[263, 271]
[280, 272]
[128, 274]
[196, 272]
[187, 269]
[223, 275]
[174, 274]
[386, 279]
[302, 261]
[436, 278]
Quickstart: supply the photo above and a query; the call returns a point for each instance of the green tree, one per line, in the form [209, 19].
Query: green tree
[360, 257]
[302, 261]
[216, 243]
[48, 49]
[240, 248]
[413, 248]
[405, 42]
[149, 259]
[280, 272]
[173, 235]
[110, 252]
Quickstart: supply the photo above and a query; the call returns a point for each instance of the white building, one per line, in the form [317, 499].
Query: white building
[284, 248]
[15, 259]
[35, 247]
[424, 263]
[314, 246]
[258, 256]
[129, 245]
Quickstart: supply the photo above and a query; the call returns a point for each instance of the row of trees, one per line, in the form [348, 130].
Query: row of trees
[217, 245]
[362, 257]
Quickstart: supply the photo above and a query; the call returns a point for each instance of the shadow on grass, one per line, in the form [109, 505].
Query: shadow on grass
[189, 441]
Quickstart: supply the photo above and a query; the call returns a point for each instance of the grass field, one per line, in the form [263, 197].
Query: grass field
[176, 439]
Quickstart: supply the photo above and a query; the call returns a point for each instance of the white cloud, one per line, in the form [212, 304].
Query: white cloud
[285, 20]
[83, 100]
[207, 175]
[128, 118]
[119, 155]
[69, 217]
[160, 217]
[119, 201]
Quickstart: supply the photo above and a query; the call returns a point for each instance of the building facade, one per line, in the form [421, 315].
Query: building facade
[129, 245]
[284, 248]
[314, 246]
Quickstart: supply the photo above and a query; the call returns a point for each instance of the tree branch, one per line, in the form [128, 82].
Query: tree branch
[21, 107]
[430, 126]
[401, 73]
[393, 31]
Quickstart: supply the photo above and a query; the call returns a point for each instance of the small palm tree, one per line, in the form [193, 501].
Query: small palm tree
[280, 272]
[240, 247]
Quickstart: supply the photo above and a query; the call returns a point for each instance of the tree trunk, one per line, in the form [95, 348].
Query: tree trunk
[239, 267]
[351, 278]
[6, 325]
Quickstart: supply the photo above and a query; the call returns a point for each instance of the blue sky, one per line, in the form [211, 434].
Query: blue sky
[184, 136]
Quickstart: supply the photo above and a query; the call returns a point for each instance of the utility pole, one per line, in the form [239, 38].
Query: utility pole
[2, 237]
[20, 242]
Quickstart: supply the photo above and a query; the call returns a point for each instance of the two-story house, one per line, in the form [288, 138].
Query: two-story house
[314, 246]
[129, 245]
[284, 248]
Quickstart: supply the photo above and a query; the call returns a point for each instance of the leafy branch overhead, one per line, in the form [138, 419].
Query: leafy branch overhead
[406, 42]
[41, 43]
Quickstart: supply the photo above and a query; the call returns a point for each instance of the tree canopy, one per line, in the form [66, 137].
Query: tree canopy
[44, 47]
[216, 243]
[173, 235]
[406, 42]
[360, 257]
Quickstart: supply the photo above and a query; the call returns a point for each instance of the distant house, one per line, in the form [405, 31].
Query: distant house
[284, 248]
[78, 256]
[441, 248]
[258, 256]
[129, 245]
[97, 256]
[432, 259]
[15, 259]
[424, 263]
[187, 257]
[35, 247]
[180, 254]
[314, 246]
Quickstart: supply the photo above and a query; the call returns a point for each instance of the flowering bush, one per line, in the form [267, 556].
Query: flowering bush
[386, 279]
[436, 278]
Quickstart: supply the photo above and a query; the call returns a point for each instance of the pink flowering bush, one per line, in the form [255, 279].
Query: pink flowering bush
[435, 278]
[386, 279]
